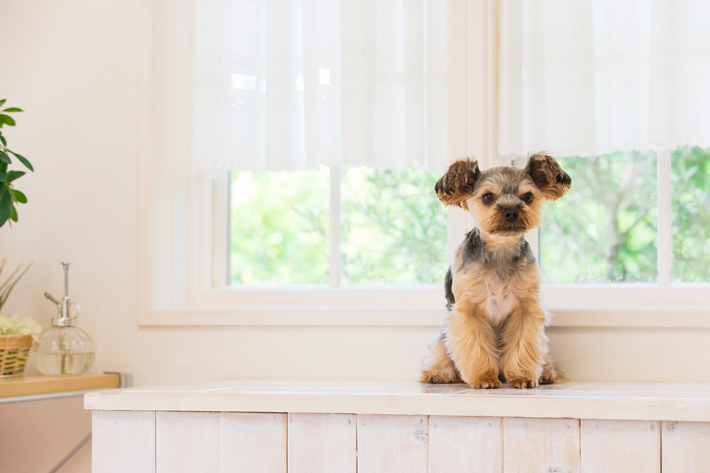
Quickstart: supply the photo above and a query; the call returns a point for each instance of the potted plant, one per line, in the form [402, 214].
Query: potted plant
[9, 196]
[16, 335]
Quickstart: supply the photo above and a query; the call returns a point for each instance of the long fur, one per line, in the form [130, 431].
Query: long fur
[495, 327]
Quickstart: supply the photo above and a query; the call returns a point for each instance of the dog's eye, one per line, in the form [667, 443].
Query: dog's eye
[528, 198]
[488, 198]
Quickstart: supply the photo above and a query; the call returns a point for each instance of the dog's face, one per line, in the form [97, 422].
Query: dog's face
[504, 201]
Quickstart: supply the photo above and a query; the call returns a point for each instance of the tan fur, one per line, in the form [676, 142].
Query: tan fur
[496, 327]
[548, 175]
[440, 368]
[455, 187]
[492, 223]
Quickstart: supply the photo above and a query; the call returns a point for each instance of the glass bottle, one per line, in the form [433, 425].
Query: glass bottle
[65, 349]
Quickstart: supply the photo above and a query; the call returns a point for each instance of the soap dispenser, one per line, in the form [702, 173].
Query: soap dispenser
[65, 349]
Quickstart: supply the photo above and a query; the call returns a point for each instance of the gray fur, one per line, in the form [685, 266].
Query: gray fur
[474, 249]
[448, 282]
[471, 248]
[509, 178]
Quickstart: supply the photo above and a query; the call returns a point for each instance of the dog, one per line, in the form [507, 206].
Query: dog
[495, 326]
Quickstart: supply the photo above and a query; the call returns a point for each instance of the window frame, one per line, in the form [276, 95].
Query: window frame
[182, 214]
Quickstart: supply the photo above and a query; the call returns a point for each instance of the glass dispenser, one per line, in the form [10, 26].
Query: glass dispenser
[65, 349]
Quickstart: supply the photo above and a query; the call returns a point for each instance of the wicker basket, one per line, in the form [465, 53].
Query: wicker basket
[14, 351]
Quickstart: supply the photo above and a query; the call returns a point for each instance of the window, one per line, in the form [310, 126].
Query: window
[332, 239]
[391, 227]
[606, 229]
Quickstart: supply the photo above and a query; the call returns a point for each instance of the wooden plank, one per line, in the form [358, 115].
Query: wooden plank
[187, 442]
[252, 443]
[322, 443]
[392, 444]
[33, 385]
[123, 442]
[686, 447]
[465, 444]
[533, 445]
[623, 446]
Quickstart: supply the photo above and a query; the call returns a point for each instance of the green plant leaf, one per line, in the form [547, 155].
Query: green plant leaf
[2, 102]
[4, 141]
[24, 161]
[7, 120]
[2, 179]
[5, 158]
[13, 213]
[19, 196]
[13, 109]
[5, 206]
[12, 175]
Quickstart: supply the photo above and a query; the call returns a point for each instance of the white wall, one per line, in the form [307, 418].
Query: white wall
[74, 67]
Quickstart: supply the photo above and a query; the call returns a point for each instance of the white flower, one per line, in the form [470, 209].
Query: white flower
[14, 326]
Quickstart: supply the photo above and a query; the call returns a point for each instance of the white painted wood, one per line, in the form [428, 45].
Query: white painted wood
[218, 247]
[420, 316]
[187, 442]
[392, 444]
[322, 443]
[686, 447]
[541, 445]
[465, 444]
[123, 442]
[573, 400]
[665, 237]
[335, 223]
[621, 446]
[251, 443]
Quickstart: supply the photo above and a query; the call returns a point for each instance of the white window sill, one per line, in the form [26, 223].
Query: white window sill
[666, 316]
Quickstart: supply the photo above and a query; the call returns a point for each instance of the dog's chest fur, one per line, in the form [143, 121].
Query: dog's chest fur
[494, 281]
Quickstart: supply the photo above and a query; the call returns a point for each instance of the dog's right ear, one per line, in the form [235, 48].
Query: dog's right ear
[456, 186]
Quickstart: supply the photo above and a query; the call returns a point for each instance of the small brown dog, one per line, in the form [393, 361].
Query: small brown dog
[495, 327]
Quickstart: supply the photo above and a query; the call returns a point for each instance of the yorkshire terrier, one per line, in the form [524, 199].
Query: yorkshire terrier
[495, 327]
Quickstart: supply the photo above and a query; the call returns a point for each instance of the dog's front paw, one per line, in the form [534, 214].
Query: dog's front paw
[440, 377]
[549, 376]
[523, 383]
[489, 381]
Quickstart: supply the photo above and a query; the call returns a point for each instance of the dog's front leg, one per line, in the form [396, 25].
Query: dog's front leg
[470, 342]
[524, 346]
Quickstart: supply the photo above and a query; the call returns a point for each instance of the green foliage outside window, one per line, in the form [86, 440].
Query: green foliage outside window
[280, 227]
[604, 229]
[691, 214]
[393, 227]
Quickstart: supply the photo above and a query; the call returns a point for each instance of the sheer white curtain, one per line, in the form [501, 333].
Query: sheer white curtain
[594, 76]
[292, 84]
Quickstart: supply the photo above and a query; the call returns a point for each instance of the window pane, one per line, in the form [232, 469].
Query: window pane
[691, 214]
[393, 227]
[280, 227]
[604, 229]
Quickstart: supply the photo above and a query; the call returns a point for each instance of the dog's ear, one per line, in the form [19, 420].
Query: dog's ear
[548, 176]
[456, 186]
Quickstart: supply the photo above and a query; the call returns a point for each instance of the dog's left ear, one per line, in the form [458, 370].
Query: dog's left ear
[548, 176]
[456, 186]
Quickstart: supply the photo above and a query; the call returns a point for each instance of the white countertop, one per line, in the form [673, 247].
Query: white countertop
[673, 402]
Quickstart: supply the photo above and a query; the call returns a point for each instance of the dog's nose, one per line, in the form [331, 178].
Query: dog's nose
[511, 215]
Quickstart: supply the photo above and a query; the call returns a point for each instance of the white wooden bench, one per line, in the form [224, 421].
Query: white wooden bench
[377, 427]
